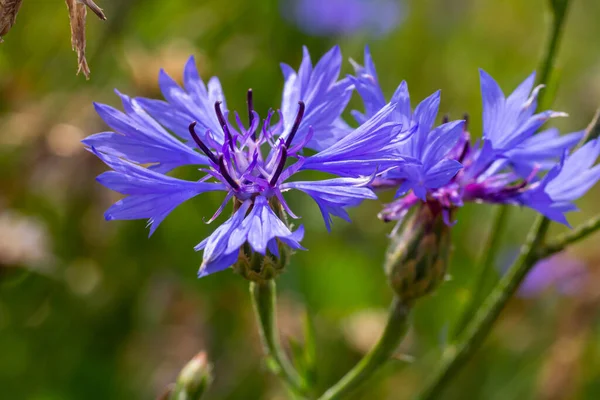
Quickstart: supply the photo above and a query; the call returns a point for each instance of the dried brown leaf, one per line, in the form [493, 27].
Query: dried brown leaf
[77, 15]
[95, 9]
[8, 15]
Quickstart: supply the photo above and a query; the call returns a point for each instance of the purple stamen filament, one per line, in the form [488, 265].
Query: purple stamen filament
[254, 173]
[464, 152]
[200, 144]
[223, 124]
[225, 174]
[279, 168]
[250, 103]
[296, 125]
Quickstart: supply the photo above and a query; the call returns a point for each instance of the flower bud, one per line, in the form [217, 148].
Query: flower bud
[194, 379]
[417, 257]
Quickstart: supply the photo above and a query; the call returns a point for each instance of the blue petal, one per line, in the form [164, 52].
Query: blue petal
[333, 195]
[541, 150]
[441, 173]
[493, 105]
[325, 99]
[402, 98]
[368, 88]
[440, 141]
[565, 183]
[425, 115]
[577, 175]
[192, 82]
[259, 227]
[217, 253]
[195, 103]
[507, 123]
[141, 139]
[151, 195]
[362, 151]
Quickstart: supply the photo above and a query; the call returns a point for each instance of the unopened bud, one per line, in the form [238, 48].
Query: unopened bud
[418, 255]
[194, 379]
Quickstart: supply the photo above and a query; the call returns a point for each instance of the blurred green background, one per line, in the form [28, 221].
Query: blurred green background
[96, 310]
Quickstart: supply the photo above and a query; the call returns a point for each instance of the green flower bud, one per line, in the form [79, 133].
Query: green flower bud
[194, 379]
[417, 257]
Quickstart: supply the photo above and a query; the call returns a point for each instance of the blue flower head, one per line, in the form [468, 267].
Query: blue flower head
[251, 163]
[425, 165]
[511, 164]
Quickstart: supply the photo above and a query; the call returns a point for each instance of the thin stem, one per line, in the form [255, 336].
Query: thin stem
[395, 329]
[264, 304]
[559, 13]
[485, 268]
[582, 231]
[480, 326]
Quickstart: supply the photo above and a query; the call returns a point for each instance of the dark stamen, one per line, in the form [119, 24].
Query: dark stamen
[219, 113]
[299, 117]
[200, 144]
[226, 175]
[466, 118]
[250, 104]
[445, 119]
[280, 166]
[223, 124]
[464, 152]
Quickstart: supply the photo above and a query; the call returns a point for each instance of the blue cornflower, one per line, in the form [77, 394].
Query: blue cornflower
[252, 164]
[507, 166]
[425, 165]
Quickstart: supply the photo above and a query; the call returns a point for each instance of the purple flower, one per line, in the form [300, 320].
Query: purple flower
[425, 165]
[511, 164]
[252, 164]
[344, 17]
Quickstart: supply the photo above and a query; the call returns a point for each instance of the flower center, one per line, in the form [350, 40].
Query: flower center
[238, 162]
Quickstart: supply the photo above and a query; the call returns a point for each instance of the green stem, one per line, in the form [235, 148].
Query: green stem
[484, 269]
[395, 329]
[556, 245]
[559, 13]
[480, 326]
[264, 304]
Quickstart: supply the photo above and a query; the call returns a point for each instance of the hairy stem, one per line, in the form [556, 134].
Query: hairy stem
[395, 329]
